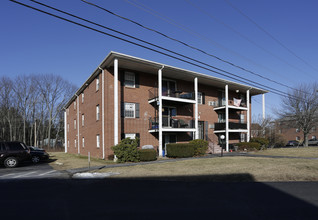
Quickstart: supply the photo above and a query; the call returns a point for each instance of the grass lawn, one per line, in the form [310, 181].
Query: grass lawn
[294, 152]
[226, 169]
[63, 161]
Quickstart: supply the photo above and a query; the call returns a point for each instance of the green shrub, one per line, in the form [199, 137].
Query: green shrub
[180, 150]
[147, 155]
[200, 147]
[264, 142]
[249, 146]
[126, 150]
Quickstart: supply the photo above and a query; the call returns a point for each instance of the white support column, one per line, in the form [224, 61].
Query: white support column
[160, 109]
[227, 117]
[115, 101]
[78, 125]
[248, 115]
[263, 103]
[196, 112]
[103, 112]
[65, 131]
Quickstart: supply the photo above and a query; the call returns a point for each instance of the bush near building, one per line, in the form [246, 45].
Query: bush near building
[147, 155]
[249, 146]
[127, 150]
[180, 150]
[200, 147]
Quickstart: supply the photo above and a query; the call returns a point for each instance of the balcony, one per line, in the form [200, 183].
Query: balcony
[181, 96]
[232, 126]
[232, 104]
[170, 123]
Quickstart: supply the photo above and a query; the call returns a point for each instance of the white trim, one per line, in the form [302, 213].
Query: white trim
[248, 115]
[179, 129]
[66, 128]
[227, 117]
[103, 113]
[160, 109]
[196, 111]
[78, 125]
[115, 101]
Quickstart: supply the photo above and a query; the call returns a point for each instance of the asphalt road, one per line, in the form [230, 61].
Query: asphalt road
[30, 171]
[160, 198]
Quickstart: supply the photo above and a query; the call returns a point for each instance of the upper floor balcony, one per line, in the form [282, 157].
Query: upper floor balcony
[233, 126]
[171, 124]
[171, 95]
[234, 103]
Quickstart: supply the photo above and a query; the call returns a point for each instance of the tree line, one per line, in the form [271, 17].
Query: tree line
[31, 108]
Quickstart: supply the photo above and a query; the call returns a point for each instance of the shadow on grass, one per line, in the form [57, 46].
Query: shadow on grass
[179, 197]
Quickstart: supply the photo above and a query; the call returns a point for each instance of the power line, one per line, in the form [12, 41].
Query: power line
[143, 46]
[156, 46]
[268, 34]
[186, 44]
[245, 37]
[198, 35]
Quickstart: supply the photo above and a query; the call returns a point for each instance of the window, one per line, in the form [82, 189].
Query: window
[199, 97]
[68, 127]
[313, 137]
[74, 123]
[313, 129]
[83, 119]
[297, 138]
[83, 142]
[97, 112]
[221, 117]
[75, 143]
[297, 130]
[130, 79]
[242, 118]
[131, 136]
[97, 83]
[97, 141]
[243, 135]
[82, 97]
[130, 110]
[74, 105]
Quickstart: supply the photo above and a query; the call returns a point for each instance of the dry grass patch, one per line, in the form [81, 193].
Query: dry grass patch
[63, 161]
[293, 152]
[261, 169]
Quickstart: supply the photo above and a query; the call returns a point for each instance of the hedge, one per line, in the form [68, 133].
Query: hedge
[180, 150]
[126, 150]
[249, 146]
[200, 147]
[147, 155]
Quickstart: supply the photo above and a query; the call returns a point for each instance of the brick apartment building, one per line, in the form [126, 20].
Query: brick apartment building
[131, 97]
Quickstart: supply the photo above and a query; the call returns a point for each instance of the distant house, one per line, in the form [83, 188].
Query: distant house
[132, 97]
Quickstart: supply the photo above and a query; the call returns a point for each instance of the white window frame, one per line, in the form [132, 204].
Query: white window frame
[242, 118]
[97, 83]
[97, 141]
[74, 104]
[200, 98]
[75, 143]
[132, 81]
[82, 97]
[83, 142]
[83, 120]
[297, 138]
[297, 130]
[97, 113]
[74, 123]
[134, 109]
[130, 135]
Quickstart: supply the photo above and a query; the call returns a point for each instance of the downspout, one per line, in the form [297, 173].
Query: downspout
[65, 130]
[103, 111]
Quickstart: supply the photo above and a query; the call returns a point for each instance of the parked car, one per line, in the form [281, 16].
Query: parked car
[38, 154]
[293, 143]
[12, 153]
[313, 142]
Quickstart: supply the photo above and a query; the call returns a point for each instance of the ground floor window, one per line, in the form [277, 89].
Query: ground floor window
[97, 141]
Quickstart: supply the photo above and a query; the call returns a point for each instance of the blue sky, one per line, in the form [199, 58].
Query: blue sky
[32, 42]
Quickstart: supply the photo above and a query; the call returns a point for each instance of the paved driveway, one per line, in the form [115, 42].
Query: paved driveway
[30, 171]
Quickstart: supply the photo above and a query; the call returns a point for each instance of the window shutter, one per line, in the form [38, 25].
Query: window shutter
[122, 136]
[122, 78]
[136, 80]
[138, 136]
[137, 110]
[122, 109]
[203, 98]
[206, 128]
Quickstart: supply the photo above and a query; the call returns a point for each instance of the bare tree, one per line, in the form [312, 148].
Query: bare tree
[260, 126]
[300, 109]
[55, 92]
